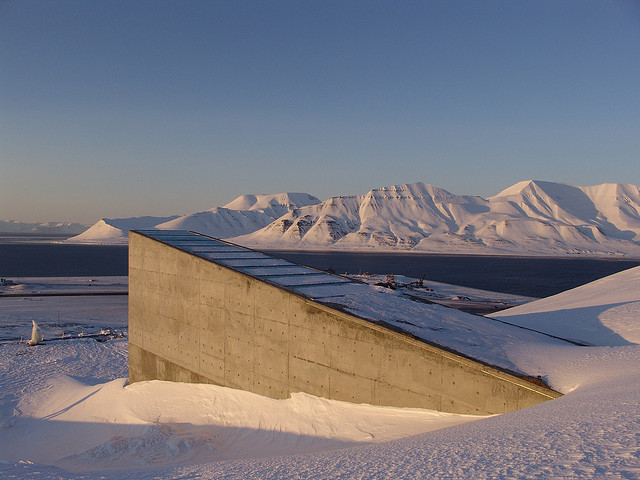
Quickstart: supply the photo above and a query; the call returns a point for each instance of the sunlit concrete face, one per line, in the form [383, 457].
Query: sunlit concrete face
[206, 311]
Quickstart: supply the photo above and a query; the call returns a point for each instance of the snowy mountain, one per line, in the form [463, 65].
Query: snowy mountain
[531, 217]
[275, 205]
[245, 214]
[116, 230]
[45, 228]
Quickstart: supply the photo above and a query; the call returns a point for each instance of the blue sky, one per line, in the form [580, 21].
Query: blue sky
[128, 108]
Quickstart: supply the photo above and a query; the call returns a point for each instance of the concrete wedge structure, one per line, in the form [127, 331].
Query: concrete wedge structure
[208, 311]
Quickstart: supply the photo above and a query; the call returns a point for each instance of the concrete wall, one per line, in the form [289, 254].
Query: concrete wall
[191, 320]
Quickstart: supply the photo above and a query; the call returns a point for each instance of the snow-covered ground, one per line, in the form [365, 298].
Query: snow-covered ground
[455, 296]
[604, 313]
[66, 411]
[64, 285]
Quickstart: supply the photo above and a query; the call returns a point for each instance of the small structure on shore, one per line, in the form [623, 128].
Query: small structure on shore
[36, 335]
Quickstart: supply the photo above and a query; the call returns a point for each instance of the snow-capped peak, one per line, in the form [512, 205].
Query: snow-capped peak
[532, 217]
[264, 201]
[245, 214]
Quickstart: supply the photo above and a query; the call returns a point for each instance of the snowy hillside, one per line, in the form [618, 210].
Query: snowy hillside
[530, 217]
[115, 230]
[45, 228]
[604, 312]
[243, 215]
[276, 205]
[66, 410]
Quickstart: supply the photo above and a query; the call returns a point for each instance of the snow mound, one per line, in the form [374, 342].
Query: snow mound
[115, 230]
[604, 312]
[112, 425]
[153, 445]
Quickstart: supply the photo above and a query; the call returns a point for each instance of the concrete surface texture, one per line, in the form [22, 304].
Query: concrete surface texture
[192, 319]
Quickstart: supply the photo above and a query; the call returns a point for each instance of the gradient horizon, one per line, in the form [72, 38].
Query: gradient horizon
[120, 109]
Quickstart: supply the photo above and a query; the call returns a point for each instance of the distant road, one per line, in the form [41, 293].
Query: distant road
[62, 294]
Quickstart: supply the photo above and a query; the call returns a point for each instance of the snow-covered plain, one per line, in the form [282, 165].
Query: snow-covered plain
[66, 411]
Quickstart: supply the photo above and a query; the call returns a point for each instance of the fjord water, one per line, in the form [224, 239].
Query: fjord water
[36, 259]
[530, 276]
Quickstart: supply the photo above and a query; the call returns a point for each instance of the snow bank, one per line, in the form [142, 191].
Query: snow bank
[111, 425]
[604, 312]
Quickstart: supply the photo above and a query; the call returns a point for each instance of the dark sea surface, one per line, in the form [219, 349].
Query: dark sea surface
[37, 256]
[531, 276]
[30, 238]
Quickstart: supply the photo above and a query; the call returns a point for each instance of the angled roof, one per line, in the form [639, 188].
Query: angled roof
[309, 282]
[486, 340]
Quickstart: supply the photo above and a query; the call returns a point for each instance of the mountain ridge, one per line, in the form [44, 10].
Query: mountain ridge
[531, 217]
[41, 228]
[257, 211]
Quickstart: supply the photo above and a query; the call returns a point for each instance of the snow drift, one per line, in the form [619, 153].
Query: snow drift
[603, 313]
